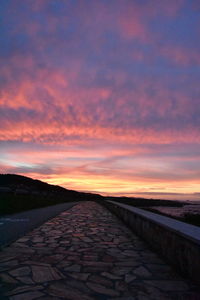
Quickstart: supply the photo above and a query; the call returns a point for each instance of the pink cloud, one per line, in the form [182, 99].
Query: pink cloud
[49, 108]
[134, 18]
[131, 25]
[181, 55]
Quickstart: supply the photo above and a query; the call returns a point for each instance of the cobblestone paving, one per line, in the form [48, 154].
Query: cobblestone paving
[86, 253]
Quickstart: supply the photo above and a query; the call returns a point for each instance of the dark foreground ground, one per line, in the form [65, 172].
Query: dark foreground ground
[86, 253]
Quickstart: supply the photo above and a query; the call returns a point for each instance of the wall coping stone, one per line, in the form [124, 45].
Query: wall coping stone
[188, 231]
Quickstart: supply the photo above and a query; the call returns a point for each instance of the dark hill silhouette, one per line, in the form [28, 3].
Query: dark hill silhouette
[23, 184]
[18, 193]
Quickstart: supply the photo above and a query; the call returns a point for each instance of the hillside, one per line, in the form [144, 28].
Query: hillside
[23, 185]
[18, 193]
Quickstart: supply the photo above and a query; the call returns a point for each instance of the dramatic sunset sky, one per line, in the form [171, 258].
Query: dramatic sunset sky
[102, 96]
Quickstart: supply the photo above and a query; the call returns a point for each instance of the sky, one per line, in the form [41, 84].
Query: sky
[102, 96]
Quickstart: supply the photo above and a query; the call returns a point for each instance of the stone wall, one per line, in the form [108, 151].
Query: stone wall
[177, 242]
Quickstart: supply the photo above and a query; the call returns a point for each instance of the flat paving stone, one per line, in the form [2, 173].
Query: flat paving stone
[87, 253]
[43, 274]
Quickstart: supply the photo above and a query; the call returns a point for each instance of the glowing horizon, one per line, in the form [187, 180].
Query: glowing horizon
[102, 96]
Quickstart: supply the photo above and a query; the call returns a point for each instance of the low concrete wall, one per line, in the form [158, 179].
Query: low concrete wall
[177, 242]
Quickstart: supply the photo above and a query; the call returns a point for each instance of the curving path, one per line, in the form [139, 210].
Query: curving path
[86, 253]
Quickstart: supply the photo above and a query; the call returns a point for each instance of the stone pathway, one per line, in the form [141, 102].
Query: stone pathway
[86, 253]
